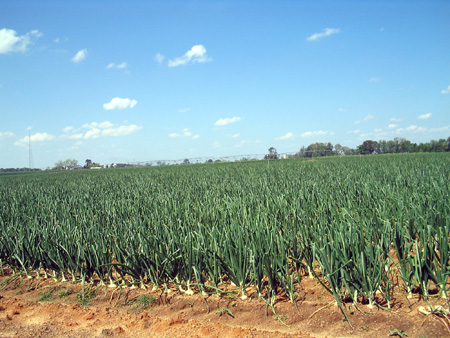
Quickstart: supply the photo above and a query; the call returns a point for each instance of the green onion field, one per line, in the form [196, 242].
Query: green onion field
[368, 228]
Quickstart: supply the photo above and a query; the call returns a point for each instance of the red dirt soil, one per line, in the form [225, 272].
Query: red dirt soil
[45, 308]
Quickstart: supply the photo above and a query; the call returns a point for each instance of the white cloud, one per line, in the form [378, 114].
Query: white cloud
[10, 42]
[286, 136]
[228, 120]
[159, 58]
[102, 125]
[38, 137]
[106, 128]
[93, 133]
[367, 118]
[68, 129]
[317, 133]
[184, 133]
[390, 126]
[326, 32]
[121, 130]
[99, 129]
[424, 116]
[394, 119]
[197, 54]
[413, 128]
[342, 110]
[445, 91]
[356, 131]
[184, 110]
[80, 56]
[6, 134]
[374, 79]
[118, 103]
[76, 136]
[235, 135]
[122, 65]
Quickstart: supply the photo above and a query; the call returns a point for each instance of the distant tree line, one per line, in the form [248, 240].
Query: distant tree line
[397, 145]
[11, 170]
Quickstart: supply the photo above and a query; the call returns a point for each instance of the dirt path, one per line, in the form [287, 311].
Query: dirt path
[44, 308]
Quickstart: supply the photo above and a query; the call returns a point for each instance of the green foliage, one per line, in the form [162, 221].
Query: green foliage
[46, 295]
[248, 223]
[399, 333]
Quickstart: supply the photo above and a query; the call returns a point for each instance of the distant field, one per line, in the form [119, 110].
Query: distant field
[367, 227]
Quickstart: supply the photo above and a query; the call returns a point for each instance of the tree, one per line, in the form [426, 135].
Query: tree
[88, 163]
[186, 161]
[272, 155]
[70, 163]
[339, 150]
[368, 147]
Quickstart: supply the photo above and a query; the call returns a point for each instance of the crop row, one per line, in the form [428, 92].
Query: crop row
[365, 227]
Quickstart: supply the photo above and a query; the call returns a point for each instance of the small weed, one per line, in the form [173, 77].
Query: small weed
[88, 296]
[191, 305]
[145, 300]
[399, 333]
[64, 293]
[233, 303]
[46, 296]
[365, 328]
[281, 318]
[225, 310]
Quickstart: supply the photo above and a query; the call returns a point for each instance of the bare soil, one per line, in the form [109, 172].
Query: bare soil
[45, 308]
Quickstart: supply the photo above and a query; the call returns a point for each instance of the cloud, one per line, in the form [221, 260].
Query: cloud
[355, 131]
[235, 135]
[367, 118]
[445, 91]
[374, 79]
[413, 128]
[118, 103]
[184, 133]
[10, 42]
[99, 129]
[342, 110]
[416, 129]
[6, 134]
[101, 125]
[228, 120]
[394, 119]
[80, 56]
[38, 137]
[286, 136]
[390, 126]
[197, 54]
[121, 130]
[122, 65]
[184, 110]
[424, 116]
[317, 133]
[326, 32]
[159, 58]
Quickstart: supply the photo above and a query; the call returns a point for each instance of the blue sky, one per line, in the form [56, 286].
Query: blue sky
[117, 81]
